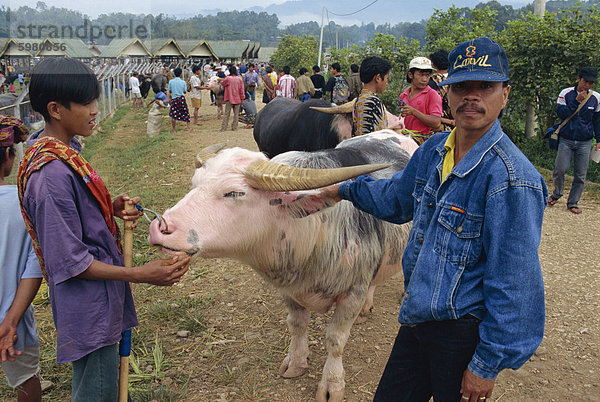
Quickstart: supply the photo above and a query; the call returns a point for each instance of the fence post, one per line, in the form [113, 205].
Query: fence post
[110, 107]
[123, 85]
[113, 93]
[103, 99]
[17, 114]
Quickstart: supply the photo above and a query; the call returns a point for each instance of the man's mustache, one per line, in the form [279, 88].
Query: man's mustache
[470, 106]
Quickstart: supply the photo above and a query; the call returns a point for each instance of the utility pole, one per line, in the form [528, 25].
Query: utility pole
[321, 38]
[539, 8]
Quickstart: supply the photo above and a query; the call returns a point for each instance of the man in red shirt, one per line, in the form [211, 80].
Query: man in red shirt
[420, 105]
[234, 97]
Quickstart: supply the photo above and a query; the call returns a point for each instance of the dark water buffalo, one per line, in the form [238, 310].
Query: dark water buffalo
[290, 125]
[159, 82]
[144, 85]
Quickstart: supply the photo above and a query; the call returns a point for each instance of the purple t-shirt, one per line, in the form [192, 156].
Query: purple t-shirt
[88, 314]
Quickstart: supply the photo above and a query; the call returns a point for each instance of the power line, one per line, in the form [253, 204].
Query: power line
[345, 15]
[355, 12]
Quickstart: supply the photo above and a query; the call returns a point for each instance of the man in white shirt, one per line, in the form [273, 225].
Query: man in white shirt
[136, 94]
[196, 86]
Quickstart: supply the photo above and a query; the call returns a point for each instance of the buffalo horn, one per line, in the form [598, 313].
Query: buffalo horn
[345, 108]
[208, 153]
[272, 176]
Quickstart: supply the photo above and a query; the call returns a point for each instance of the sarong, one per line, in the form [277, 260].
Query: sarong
[179, 110]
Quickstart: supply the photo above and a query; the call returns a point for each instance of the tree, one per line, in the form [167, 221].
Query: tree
[296, 52]
[545, 55]
[446, 29]
[41, 6]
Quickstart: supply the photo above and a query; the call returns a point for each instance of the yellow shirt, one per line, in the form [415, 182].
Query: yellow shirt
[449, 158]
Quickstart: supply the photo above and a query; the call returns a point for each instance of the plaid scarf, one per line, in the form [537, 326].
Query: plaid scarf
[48, 149]
[12, 131]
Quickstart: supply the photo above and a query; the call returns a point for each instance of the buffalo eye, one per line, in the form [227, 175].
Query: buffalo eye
[234, 194]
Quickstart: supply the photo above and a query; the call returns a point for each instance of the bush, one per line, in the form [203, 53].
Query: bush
[537, 151]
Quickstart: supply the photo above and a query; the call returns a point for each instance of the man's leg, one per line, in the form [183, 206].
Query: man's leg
[226, 116]
[236, 114]
[96, 376]
[581, 160]
[406, 376]
[450, 346]
[561, 165]
[23, 375]
[30, 390]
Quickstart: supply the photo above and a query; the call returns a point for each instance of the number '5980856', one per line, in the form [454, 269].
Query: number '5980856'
[37, 47]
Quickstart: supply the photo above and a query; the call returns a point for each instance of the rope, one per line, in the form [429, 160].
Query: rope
[143, 211]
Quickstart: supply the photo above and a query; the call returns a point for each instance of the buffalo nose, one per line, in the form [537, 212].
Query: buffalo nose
[164, 227]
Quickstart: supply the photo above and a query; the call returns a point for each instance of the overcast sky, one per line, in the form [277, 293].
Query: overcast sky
[94, 8]
[188, 8]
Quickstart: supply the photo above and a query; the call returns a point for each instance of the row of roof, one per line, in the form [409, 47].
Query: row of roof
[130, 48]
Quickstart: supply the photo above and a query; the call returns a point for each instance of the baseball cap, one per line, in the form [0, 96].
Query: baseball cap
[589, 74]
[422, 63]
[480, 59]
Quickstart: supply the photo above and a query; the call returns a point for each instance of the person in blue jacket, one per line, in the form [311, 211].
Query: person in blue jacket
[575, 138]
[474, 294]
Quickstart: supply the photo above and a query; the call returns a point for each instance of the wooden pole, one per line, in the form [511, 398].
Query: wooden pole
[531, 123]
[126, 337]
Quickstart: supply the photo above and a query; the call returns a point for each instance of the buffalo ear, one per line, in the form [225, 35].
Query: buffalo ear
[299, 204]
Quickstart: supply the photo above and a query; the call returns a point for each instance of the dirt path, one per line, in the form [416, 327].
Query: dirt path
[248, 334]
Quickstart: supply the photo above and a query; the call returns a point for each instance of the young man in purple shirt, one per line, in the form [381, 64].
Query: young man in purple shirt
[70, 216]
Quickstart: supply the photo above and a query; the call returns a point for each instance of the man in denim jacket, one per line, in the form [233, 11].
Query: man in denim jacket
[474, 301]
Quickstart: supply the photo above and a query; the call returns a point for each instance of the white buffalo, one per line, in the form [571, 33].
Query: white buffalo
[316, 253]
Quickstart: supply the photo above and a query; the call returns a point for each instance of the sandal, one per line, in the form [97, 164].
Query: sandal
[575, 210]
[552, 201]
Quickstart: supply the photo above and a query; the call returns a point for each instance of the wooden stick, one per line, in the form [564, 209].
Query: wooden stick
[128, 239]
[128, 259]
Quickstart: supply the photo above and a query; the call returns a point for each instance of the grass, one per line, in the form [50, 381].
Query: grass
[187, 313]
[542, 158]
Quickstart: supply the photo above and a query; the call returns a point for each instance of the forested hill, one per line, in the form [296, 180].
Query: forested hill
[261, 27]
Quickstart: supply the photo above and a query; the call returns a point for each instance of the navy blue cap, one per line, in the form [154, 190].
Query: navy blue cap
[588, 74]
[479, 59]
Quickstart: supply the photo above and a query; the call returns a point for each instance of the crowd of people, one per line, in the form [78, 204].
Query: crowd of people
[423, 108]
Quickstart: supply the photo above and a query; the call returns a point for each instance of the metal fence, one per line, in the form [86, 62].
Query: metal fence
[113, 83]
[21, 108]
[114, 80]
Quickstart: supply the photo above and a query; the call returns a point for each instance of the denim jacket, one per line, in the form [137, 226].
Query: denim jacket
[473, 248]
